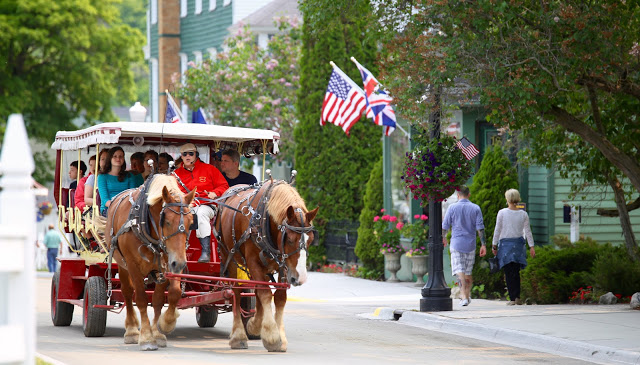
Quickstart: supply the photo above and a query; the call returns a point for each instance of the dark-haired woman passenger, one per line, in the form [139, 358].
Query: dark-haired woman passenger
[114, 178]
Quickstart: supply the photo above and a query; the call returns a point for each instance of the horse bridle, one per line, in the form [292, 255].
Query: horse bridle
[302, 245]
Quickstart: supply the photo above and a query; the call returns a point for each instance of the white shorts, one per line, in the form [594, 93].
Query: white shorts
[462, 262]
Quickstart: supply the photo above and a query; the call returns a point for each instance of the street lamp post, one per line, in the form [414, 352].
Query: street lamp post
[436, 294]
[137, 113]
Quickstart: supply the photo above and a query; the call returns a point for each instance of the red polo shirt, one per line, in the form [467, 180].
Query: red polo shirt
[204, 177]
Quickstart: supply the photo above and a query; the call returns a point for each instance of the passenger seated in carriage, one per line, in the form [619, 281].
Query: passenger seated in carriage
[163, 162]
[137, 163]
[149, 155]
[75, 171]
[210, 184]
[80, 189]
[230, 167]
[114, 178]
[88, 189]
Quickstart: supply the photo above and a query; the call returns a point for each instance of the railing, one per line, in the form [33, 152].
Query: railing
[17, 244]
[340, 241]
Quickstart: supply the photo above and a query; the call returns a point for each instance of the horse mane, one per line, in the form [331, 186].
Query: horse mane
[154, 195]
[283, 196]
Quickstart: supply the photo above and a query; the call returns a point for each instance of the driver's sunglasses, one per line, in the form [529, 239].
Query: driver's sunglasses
[191, 153]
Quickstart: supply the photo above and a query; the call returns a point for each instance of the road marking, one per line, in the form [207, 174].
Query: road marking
[300, 299]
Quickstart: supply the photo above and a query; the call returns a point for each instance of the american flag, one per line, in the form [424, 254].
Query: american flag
[344, 102]
[172, 114]
[468, 149]
[378, 101]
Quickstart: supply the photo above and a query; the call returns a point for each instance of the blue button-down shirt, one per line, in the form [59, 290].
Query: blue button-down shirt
[464, 218]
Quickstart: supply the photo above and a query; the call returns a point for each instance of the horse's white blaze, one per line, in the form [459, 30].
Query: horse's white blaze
[301, 268]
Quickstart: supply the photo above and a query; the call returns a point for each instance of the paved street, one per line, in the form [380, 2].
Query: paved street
[327, 319]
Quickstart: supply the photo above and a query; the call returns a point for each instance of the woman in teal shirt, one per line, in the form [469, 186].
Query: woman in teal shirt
[114, 178]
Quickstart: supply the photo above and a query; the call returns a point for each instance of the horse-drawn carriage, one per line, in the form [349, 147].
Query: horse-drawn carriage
[258, 231]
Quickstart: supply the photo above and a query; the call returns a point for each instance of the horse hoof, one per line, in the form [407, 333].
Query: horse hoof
[150, 346]
[166, 330]
[162, 342]
[131, 339]
[273, 347]
[239, 345]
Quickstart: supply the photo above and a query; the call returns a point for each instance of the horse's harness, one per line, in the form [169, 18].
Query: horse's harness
[138, 223]
[259, 229]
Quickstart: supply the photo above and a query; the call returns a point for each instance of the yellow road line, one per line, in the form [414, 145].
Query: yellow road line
[299, 299]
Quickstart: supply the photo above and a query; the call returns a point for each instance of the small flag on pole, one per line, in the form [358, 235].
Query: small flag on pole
[198, 117]
[468, 149]
[344, 101]
[172, 114]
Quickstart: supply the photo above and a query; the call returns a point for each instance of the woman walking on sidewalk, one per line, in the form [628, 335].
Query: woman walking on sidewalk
[512, 225]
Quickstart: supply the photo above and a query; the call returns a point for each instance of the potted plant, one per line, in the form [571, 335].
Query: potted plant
[386, 229]
[418, 232]
[435, 168]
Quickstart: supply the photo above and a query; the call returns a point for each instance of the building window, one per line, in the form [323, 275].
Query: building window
[212, 5]
[183, 8]
[154, 91]
[154, 11]
[226, 2]
[198, 6]
[198, 58]
[213, 53]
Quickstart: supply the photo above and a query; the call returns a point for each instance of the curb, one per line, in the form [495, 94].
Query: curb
[532, 341]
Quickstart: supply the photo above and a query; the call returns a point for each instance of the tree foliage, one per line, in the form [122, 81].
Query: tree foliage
[563, 74]
[367, 247]
[246, 86]
[493, 179]
[60, 60]
[333, 168]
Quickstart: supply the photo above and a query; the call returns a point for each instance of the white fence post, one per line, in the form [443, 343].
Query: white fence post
[17, 242]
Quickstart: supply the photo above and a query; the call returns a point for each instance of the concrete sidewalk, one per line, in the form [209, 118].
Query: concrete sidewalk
[598, 333]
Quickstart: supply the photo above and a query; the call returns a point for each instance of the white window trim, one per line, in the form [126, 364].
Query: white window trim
[154, 11]
[212, 5]
[184, 60]
[197, 55]
[183, 8]
[226, 2]
[154, 91]
[198, 6]
[213, 53]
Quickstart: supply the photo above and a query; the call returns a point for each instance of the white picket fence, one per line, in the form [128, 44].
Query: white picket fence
[17, 242]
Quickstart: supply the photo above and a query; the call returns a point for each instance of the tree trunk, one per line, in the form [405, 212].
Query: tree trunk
[629, 238]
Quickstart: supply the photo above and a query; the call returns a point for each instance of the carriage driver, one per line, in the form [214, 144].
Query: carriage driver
[210, 183]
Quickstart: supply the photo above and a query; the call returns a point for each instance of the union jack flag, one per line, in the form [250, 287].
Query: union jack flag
[378, 101]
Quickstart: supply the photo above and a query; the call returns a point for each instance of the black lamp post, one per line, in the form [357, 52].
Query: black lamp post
[435, 293]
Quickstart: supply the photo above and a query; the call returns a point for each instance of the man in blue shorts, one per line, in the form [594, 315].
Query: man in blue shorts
[230, 167]
[464, 218]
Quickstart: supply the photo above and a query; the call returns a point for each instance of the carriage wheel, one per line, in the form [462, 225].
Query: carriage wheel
[61, 312]
[206, 316]
[94, 321]
[248, 304]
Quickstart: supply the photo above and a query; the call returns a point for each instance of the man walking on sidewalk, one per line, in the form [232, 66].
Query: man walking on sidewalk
[53, 242]
[464, 218]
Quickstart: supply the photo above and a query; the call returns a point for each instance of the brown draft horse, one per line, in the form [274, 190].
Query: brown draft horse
[141, 253]
[269, 229]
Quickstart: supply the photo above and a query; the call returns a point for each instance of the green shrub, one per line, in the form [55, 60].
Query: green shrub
[614, 271]
[367, 248]
[554, 274]
[495, 176]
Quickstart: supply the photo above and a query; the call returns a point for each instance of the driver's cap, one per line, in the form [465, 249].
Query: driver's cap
[187, 147]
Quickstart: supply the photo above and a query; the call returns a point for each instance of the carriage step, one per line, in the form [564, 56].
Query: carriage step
[103, 306]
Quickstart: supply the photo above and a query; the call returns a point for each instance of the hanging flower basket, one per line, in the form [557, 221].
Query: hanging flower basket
[435, 168]
[45, 208]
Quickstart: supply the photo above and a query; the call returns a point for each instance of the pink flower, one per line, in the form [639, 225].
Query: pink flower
[417, 216]
[382, 210]
[399, 225]
[393, 219]
[391, 231]
[259, 106]
[376, 218]
[424, 217]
